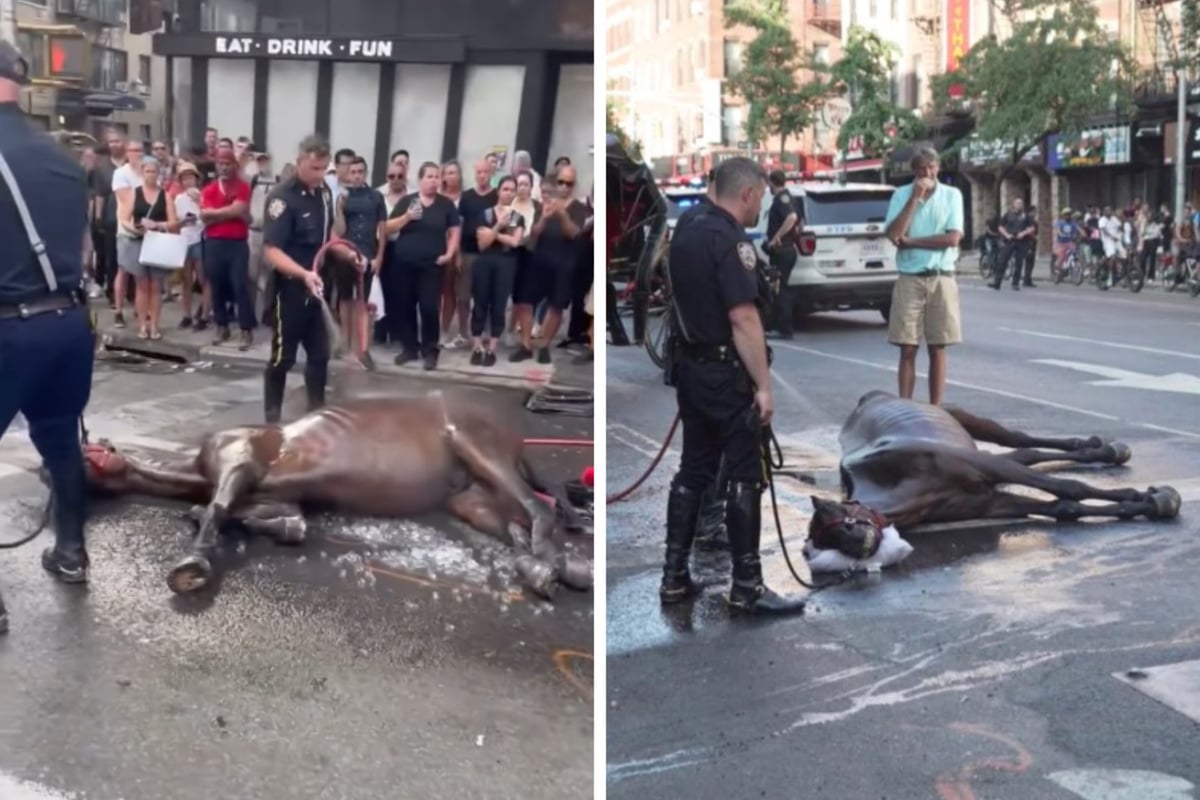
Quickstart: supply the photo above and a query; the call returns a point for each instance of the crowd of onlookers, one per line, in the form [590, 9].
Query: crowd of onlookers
[514, 247]
[1138, 231]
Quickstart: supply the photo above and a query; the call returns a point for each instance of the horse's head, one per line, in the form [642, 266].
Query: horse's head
[106, 468]
[848, 527]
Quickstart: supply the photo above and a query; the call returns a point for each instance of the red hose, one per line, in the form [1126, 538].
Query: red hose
[559, 443]
[612, 499]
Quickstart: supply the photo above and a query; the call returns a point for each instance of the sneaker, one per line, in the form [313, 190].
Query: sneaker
[185, 323]
[118, 320]
[489, 358]
[586, 358]
[476, 358]
[431, 361]
[222, 335]
[367, 361]
[94, 291]
[522, 353]
[246, 341]
[68, 569]
[543, 355]
[457, 343]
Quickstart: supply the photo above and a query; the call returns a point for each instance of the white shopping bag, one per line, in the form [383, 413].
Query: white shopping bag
[376, 299]
[163, 250]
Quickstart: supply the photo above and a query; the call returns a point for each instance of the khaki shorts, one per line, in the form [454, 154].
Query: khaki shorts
[462, 281]
[925, 305]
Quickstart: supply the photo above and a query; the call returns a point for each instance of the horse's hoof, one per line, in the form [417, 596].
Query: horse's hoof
[1117, 452]
[538, 576]
[1166, 502]
[189, 575]
[575, 572]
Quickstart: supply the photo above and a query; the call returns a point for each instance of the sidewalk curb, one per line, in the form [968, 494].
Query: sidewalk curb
[123, 339]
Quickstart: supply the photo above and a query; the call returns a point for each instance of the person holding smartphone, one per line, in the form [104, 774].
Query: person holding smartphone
[187, 211]
[429, 229]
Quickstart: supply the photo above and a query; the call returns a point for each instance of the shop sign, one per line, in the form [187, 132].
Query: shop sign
[958, 26]
[985, 154]
[1192, 145]
[1097, 147]
[305, 47]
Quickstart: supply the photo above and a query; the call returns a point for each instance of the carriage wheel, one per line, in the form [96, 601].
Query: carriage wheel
[656, 336]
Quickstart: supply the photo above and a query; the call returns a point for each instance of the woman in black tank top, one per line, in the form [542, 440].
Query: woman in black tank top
[152, 211]
[499, 235]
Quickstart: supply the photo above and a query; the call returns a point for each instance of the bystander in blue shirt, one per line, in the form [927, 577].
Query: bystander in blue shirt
[940, 213]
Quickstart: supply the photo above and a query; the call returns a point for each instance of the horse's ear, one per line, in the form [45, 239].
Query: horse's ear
[820, 505]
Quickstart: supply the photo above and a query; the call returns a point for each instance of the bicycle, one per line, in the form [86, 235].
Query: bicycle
[1120, 271]
[1175, 274]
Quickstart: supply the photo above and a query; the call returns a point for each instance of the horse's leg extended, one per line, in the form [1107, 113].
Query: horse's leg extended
[988, 430]
[283, 522]
[1162, 502]
[1112, 453]
[1005, 505]
[238, 475]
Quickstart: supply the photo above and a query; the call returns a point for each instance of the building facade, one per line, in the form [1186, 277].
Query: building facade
[88, 70]
[448, 79]
[667, 63]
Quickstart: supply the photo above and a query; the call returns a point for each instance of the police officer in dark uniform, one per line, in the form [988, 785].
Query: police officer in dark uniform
[723, 387]
[46, 341]
[783, 226]
[299, 220]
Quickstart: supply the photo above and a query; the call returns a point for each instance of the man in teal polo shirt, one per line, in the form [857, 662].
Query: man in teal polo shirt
[925, 223]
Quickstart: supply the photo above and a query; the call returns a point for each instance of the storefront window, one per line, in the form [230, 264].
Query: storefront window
[265, 16]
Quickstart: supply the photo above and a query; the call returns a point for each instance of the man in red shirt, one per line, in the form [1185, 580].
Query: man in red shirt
[225, 212]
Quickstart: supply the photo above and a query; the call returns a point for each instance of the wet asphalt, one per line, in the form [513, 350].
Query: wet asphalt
[982, 666]
[381, 659]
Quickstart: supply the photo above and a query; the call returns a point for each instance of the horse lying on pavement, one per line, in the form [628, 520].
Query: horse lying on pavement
[382, 457]
[906, 464]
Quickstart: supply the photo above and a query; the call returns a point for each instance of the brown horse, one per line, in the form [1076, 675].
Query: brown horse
[393, 457]
[906, 464]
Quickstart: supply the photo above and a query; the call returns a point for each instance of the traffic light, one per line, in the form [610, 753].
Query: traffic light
[68, 57]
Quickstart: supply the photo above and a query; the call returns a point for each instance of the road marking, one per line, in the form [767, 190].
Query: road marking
[1155, 350]
[962, 384]
[1167, 430]
[1177, 382]
[1122, 784]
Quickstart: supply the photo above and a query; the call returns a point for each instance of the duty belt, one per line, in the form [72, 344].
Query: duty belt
[710, 353]
[42, 305]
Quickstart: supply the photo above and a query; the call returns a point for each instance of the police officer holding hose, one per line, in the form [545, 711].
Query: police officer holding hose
[723, 387]
[46, 341]
[300, 217]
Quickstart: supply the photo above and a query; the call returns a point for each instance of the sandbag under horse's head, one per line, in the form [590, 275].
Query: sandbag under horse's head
[848, 527]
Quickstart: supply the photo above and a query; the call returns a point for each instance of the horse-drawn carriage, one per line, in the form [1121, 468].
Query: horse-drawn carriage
[636, 250]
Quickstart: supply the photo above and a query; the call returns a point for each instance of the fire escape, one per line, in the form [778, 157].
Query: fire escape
[826, 15]
[1157, 50]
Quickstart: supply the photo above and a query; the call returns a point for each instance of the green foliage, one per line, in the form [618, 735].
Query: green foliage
[632, 146]
[778, 105]
[863, 76]
[1190, 35]
[1052, 75]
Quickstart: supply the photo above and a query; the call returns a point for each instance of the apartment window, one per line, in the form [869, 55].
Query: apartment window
[873, 9]
[147, 135]
[733, 57]
[820, 54]
[109, 67]
[895, 9]
[144, 70]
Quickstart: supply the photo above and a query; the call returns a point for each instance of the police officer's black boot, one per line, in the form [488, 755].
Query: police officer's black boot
[683, 508]
[748, 594]
[274, 386]
[314, 386]
[67, 560]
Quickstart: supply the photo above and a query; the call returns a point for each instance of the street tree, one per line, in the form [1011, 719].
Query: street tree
[612, 125]
[1056, 71]
[863, 76]
[768, 80]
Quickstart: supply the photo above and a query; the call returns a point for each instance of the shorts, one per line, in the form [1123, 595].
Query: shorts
[195, 252]
[554, 282]
[925, 306]
[1062, 250]
[344, 277]
[462, 278]
[129, 253]
[1113, 249]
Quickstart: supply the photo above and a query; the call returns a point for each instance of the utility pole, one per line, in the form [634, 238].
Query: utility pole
[1186, 48]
